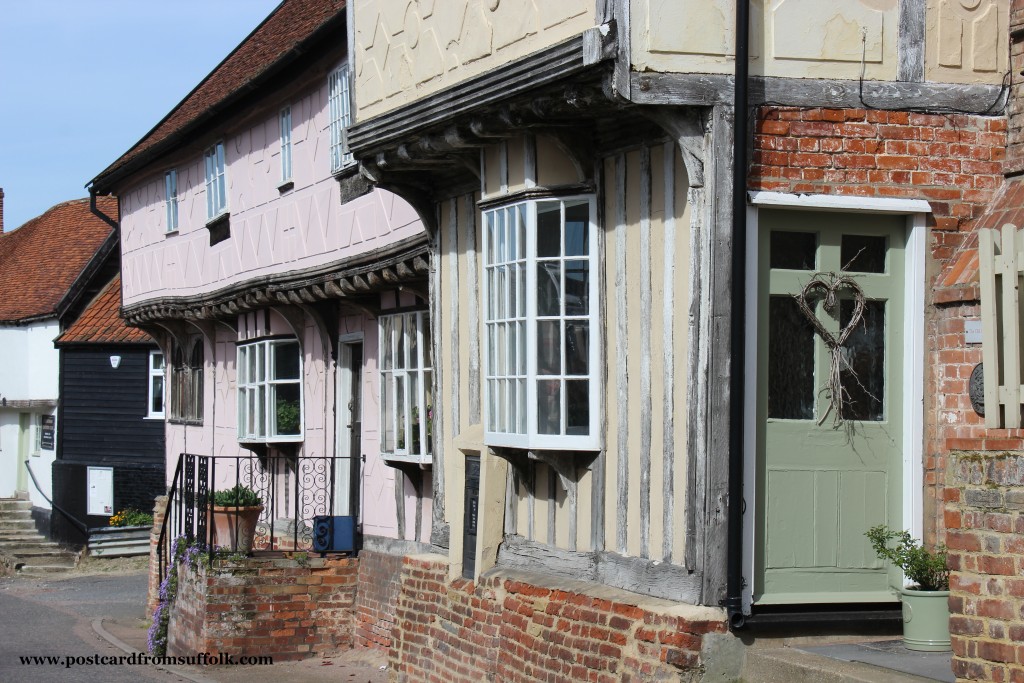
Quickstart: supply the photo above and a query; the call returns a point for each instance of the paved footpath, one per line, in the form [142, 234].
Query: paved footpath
[100, 612]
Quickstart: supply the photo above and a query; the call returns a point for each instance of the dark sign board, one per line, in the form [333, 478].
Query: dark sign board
[46, 439]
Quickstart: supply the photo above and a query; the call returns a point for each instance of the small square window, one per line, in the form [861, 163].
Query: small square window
[407, 405]
[270, 391]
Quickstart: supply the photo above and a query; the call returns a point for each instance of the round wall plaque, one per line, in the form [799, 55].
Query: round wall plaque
[976, 389]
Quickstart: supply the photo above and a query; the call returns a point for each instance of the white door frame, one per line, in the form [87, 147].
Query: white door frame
[916, 211]
[342, 439]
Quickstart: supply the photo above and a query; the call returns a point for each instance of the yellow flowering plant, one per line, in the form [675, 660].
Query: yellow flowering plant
[131, 517]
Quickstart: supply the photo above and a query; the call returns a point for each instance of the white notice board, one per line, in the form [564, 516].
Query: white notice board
[101, 491]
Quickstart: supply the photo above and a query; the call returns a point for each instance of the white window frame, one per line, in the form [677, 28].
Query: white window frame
[285, 120]
[156, 372]
[171, 199]
[340, 111]
[498, 314]
[404, 370]
[216, 181]
[258, 425]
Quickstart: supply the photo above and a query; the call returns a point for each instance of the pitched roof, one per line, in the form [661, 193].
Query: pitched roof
[41, 260]
[271, 44]
[101, 322]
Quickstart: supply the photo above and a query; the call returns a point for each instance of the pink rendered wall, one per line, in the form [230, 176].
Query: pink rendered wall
[271, 232]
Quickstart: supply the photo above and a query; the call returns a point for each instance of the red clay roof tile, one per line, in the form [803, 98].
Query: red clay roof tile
[290, 24]
[101, 322]
[40, 261]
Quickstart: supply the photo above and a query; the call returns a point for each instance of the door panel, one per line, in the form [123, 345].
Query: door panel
[821, 483]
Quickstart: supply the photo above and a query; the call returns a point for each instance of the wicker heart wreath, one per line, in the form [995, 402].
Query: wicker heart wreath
[827, 286]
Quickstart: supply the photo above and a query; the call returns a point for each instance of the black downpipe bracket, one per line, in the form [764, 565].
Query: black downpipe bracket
[734, 573]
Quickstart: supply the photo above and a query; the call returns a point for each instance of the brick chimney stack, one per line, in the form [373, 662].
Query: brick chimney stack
[1015, 107]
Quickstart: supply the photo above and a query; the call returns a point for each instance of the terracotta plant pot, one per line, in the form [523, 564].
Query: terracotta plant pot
[925, 620]
[235, 527]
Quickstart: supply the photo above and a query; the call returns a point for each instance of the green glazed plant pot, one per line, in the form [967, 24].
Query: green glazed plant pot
[925, 620]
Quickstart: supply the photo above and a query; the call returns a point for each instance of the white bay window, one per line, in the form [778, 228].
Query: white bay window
[407, 411]
[541, 332]
[270, 391]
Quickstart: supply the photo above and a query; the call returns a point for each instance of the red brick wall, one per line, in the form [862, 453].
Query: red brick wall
[286, 608]
[511, 627]
[955, 162]
[985, 516]
[377, 598]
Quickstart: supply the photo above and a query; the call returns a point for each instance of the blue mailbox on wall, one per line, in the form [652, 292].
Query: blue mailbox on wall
[334, 534]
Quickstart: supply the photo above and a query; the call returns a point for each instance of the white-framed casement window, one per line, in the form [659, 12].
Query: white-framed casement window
[286, 144]
[216, 184]
[406, 394]
[270, 391]
[187, 383]
[340, 111]
[155, 407]
[541, 343]
[171, 199]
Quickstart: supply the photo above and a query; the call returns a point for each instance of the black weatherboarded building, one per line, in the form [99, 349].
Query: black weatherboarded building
[111, 442]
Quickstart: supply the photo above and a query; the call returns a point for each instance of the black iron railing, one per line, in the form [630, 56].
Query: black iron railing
[298, 497]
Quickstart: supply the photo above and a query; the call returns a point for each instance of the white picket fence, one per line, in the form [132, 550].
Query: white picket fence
[1001, 262]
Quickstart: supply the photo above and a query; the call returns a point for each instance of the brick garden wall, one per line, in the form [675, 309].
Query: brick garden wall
[285, 608]
[520, 626]
[985, 518]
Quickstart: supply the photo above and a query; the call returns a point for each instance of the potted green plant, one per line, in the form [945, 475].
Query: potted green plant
[926, 603]
[236, 511]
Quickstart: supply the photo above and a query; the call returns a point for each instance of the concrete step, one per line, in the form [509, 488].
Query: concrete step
[33, 546]
[14, 505]
[16, 524]
[44, 569]
[790, 665]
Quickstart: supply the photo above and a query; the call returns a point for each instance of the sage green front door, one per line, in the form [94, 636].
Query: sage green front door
[825, 476]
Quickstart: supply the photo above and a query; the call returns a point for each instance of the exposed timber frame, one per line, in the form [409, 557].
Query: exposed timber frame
[717, 89]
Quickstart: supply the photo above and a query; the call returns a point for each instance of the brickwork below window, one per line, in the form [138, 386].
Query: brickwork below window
[517, 627]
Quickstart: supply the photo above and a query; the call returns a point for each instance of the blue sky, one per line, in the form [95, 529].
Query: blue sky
[82, 80]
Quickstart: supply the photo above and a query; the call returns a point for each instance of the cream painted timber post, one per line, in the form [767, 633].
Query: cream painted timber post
[989, 243]
[1000, 262]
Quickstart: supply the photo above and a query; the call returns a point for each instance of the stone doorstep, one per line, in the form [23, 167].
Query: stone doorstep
[792, 665]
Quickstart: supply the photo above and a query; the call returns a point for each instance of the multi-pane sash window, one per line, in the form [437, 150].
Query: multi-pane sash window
[542, 385]
[187, 384]
[155, 404]
[341, 117]
[407, 405]
[270, 391]
[171, 201]
[286, 144]
[216, 187]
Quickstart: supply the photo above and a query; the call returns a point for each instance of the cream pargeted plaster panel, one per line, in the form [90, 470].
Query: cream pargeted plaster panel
[788, 38]
[967, 40]
[409, 49]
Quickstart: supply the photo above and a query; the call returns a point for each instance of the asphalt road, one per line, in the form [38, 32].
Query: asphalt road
[52, 618]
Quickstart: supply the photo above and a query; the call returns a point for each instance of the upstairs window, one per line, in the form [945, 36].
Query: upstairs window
[407, 405]
[341, 117]
[187, 383]
[171, 201]
[286, 144]
[216, 186]
[155, 406]
[270, 391]
[541, 345]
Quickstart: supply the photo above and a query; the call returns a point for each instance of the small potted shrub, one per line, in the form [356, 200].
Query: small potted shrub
[926, 603]
[236, 511]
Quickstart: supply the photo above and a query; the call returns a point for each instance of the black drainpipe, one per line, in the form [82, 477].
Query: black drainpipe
[734, 575]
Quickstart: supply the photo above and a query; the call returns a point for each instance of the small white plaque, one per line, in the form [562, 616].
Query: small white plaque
[100, 481]
[972, 331]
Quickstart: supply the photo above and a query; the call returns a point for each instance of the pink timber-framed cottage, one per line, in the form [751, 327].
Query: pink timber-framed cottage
[265, 266]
